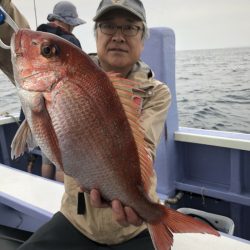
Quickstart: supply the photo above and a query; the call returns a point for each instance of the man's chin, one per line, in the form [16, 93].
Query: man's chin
[118, 63]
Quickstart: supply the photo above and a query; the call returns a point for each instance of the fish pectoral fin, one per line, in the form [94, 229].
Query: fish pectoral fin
[22, 141]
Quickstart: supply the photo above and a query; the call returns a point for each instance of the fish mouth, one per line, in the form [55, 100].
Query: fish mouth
[16, 47]
[16, 51]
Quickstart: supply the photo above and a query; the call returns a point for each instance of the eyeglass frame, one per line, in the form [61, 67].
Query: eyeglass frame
[121, 27]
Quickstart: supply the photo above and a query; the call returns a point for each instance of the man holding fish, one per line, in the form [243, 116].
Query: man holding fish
[111, 158]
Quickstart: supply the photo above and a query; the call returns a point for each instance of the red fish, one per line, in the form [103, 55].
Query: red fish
[86, 122]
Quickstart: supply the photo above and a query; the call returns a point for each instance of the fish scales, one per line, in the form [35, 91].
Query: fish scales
[85, 121]
[89, 137]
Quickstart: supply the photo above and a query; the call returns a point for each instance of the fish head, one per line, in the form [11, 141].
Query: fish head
[40, 60]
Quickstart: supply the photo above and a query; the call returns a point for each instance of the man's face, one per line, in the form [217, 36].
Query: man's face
[119, 52]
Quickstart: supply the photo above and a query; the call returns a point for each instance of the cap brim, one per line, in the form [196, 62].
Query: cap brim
[103, 11]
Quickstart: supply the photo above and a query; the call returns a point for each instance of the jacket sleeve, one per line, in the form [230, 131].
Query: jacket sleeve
[6, 33]
[154, 114]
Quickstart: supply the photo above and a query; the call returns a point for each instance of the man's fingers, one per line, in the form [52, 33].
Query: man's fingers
[119, 213]
[96, 200]
[82, 189]
[132, 217]
[125, 216]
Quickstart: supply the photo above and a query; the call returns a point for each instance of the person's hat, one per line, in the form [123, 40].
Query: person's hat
[65, 12]
[133, 6]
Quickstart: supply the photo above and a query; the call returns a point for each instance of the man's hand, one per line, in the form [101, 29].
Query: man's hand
[123, 215]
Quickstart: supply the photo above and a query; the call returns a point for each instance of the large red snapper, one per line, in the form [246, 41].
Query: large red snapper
[86, 122]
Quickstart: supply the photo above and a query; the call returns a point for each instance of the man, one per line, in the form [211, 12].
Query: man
[120, 30]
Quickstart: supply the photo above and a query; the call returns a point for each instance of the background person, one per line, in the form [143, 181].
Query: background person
[62, 22]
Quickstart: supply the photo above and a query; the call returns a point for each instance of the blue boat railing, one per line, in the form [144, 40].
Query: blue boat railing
[211, 167]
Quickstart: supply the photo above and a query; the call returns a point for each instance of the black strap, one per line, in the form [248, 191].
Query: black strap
[81, 203]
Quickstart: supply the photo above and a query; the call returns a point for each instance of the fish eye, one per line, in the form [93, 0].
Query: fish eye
[49, 50]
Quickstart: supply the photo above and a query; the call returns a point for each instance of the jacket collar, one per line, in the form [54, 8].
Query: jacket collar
[140, 72]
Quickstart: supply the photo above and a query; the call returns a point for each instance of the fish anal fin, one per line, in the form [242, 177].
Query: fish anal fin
[161, 236]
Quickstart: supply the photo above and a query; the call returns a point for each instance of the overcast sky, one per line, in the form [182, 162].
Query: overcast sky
[198, 24]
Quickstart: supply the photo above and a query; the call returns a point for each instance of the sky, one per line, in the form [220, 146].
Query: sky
[198, 24]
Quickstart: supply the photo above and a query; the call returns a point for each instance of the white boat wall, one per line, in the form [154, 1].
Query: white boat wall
[211, 169]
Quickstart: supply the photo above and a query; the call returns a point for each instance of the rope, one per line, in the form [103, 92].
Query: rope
[34, 1]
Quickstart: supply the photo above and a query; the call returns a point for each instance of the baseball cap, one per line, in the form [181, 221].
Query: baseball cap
[65, 11]
[133, 6]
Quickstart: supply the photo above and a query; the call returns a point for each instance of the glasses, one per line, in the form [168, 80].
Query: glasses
[126, 29]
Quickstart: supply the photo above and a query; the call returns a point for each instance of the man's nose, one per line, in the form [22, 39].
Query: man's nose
[118, 36]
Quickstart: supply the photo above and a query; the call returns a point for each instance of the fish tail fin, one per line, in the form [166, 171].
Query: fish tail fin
[175, 222]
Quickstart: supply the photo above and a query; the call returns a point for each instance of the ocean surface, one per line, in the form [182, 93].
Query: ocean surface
[212, 86]
[213, 89]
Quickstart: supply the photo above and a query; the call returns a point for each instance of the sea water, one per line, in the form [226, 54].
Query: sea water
[212, 86]
[213, 89]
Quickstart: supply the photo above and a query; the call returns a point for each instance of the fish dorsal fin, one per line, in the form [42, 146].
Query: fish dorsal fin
[124, 88]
